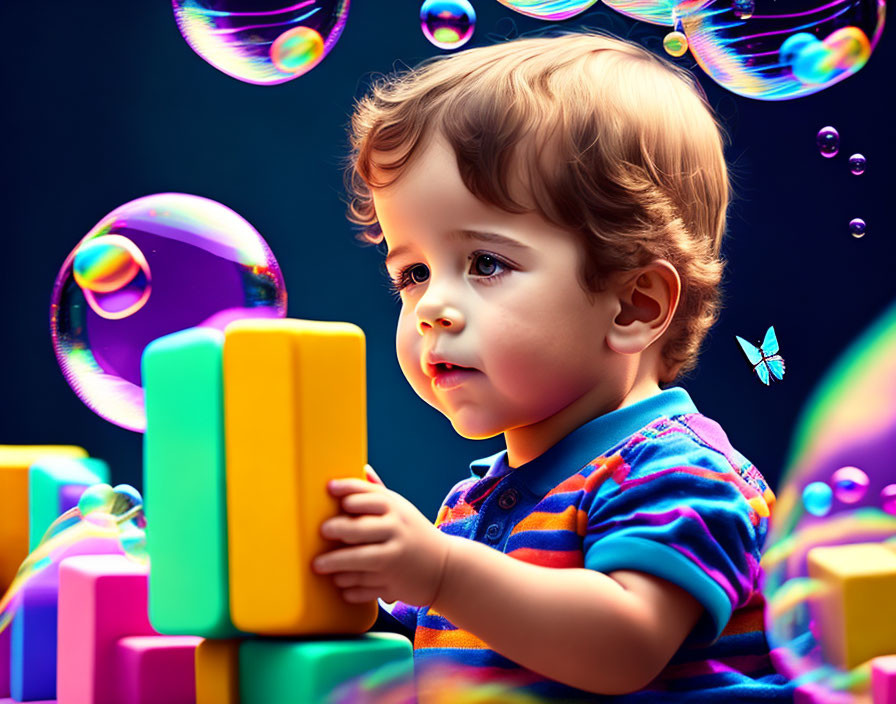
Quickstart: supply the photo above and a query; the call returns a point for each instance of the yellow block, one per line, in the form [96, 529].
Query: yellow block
[856, 612]
[295, 417]
[14, 463]
[217, 672]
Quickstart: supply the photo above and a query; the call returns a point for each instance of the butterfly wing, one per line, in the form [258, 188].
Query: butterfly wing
[775, 365]
[762, 371]
[770, 343]
[753, 353]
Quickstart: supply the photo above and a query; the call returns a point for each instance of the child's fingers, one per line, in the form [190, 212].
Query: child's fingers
[365, 558]
[375, 504]
[344, 487]
[358, 595]
[362, 529]
[344, 580]
[372, 476]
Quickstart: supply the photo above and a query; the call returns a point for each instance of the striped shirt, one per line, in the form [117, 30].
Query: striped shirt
[654, 487]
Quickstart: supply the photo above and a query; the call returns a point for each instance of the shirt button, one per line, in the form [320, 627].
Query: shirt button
[493, 531]
[508, 499]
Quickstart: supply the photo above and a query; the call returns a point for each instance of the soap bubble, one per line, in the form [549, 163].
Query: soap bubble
[857, 164]
[760, 58]
[828, 141]
[261, 41]
[850, 484]
[849, 422]
[660, 12]
[743, 9]
[675, 44]
[297, 50]
[857, 227]
[817, 498]
[888, 499]
[114, 524]
[448, 24]
[197, 263]
[549, 9]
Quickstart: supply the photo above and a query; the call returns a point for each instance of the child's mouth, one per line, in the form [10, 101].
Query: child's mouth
[448, 376]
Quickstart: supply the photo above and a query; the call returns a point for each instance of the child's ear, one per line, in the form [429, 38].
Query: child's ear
[648, 298]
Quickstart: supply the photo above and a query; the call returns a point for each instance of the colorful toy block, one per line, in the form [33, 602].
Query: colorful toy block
[51, 483]
[217, 672]
[14, 463]
[102, 598]
[32, 661]
[883, 680]
[286, 672]
[184, 484]
[156, 669]
[856, 612]
[295, 417]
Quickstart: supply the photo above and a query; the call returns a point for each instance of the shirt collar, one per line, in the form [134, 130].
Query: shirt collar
[582, 445]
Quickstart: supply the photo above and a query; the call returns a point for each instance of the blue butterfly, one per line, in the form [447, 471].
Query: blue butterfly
[765, 359]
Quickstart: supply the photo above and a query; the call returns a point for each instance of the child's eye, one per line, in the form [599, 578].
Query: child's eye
[409, 275]
[486, 265]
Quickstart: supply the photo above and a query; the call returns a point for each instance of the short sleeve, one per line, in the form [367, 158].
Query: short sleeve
[679, 511]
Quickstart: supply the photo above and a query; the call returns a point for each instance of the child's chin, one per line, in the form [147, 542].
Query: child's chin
[473, 431]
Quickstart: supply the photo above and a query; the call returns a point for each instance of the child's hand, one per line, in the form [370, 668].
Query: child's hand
[394, 553]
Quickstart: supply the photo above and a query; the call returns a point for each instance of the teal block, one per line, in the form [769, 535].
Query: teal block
[300, 672]
[46, 478]
[184, 484]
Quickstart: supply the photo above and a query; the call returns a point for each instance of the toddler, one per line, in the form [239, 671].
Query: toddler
[553, 210]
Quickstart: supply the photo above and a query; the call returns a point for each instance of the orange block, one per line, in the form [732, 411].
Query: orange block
[295, 417]
[217, 672]
[14, 463]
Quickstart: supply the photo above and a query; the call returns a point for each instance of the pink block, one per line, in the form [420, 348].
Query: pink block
[4, 661]
[102, 598]
[157, 669]
[883, 680]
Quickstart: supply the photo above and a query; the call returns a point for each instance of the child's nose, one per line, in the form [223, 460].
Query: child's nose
[443, 317]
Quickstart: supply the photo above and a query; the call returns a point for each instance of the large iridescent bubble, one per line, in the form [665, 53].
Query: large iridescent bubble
[549, 9]
[156, 265]
[785, 49]
[261, 41]
[653, 11]
[844, 442]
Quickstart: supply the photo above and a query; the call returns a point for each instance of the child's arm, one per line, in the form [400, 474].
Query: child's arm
[609, 634]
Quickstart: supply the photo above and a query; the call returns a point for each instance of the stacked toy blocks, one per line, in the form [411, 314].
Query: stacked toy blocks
[37, 484]
[243, 432]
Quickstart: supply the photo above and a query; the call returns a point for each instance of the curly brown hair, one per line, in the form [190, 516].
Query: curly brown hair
[609, 141]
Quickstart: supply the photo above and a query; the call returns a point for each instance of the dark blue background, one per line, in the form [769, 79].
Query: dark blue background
[103, 102]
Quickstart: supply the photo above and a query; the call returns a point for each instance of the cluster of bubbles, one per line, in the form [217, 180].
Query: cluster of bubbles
[447, 24]
[153, 266]
[838, 489]
[828, 142]
[778, 52]
[261, 41]
[106, 520]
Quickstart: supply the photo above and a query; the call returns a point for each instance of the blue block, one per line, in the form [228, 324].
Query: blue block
[32, 659]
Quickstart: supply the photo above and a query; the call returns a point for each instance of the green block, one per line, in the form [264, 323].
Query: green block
[46, 477]
[184, 484]
[307, 671]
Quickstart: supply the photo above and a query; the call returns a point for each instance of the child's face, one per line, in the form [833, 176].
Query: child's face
[492, 291]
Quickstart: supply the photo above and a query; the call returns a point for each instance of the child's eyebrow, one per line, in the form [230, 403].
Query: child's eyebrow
[492, 237]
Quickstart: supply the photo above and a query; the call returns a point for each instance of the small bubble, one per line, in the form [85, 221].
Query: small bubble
[850, 484]
[888, 498]
[857, 227]
[817, 498]
[675, 44]
[857, 164]
[828, 141]
[448, 24]
[743, 9]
